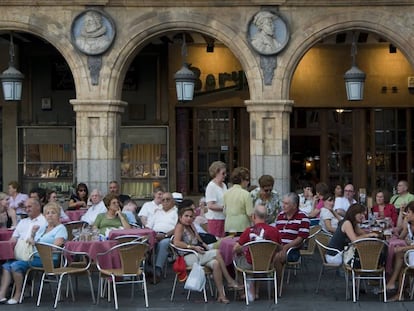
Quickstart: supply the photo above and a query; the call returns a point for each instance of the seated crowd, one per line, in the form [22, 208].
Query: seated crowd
[259, 214]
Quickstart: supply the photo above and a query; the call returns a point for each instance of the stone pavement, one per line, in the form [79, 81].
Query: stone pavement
[298, 295]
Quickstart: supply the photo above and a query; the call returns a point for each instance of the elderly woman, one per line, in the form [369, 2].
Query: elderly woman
[267, 196]
[214, 198]
[80, 198]
[113, 218]
[238, 206]
[51, 196]
[186, 236]
[53, 233]
[8, 218]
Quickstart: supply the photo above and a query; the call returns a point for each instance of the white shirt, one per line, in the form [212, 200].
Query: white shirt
[305, 205]
[93, 211]
[215, 193]
[24, 227]
[342, 203]
[327, 214]
[163, 221]
[147, 210]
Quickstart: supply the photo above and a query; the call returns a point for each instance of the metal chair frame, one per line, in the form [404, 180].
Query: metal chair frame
[263, 269]
[132, 255]
[177, 251]
[46, 252]
[370, 268]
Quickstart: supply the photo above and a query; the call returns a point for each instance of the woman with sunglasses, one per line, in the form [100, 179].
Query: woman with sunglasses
[79, 199]
[267, 196]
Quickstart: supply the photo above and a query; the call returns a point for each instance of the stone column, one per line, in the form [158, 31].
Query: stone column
[9, 128]
[98, 141]
[269, 141]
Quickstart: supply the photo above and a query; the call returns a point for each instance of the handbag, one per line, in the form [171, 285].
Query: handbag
[180, 268]
[23, 250]
[196, 279]
[349, 254]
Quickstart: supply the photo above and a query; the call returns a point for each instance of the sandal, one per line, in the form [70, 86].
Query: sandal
[235, 286]
[223, 300]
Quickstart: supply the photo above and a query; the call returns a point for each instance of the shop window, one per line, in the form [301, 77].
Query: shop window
[144, 160]
[46, 158]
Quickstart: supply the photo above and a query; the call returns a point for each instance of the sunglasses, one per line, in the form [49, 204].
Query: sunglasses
[82, 190]
[267, 190]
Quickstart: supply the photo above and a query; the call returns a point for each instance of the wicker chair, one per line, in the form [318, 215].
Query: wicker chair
[74, 225]
[408, 271]
[369, 251]
[263, 269]
[132, 255]
[208, 272]
[309, 244]
[322, 241]
[131, 238]
[47, 253]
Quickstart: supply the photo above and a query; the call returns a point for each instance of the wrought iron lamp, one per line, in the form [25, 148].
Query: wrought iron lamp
[354, 77]
[184, 78]
[11, 78]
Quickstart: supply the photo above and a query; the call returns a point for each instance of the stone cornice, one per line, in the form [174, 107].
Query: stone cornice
[267, 106]
[206, 3]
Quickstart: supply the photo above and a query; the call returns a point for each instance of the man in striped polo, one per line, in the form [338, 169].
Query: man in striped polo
[293, 226]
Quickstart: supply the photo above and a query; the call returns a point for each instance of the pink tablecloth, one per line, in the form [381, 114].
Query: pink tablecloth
[95, 247]
[7, 250]
[5, 234]
[135, 231]
[226, 249]
[76, 214]
[392, 243]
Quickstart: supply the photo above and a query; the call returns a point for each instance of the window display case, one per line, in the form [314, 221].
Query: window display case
[144, 160]
[46, 158]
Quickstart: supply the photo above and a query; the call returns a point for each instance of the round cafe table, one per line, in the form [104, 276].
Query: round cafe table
[75, 215]
[226, 249]
[95, 247]
[7, 250]
[5, 234]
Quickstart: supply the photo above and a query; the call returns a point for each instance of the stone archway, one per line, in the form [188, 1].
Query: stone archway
[361, 20]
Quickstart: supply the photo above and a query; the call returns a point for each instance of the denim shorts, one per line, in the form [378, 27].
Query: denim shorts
[21, 266]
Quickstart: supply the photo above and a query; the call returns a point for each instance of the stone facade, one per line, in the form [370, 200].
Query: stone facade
[98, 107]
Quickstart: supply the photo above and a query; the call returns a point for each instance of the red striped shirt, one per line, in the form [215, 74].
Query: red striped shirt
[290, 229]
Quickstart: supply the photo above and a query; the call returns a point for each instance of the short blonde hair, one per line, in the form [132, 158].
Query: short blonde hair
[215, 167]
[53, 206]
[3, 196]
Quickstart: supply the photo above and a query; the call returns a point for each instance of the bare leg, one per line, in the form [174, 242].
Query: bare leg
[279, 261]
[223, 268]
[218, 280]
[5, 283]
[18, 282]
[398, 263]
